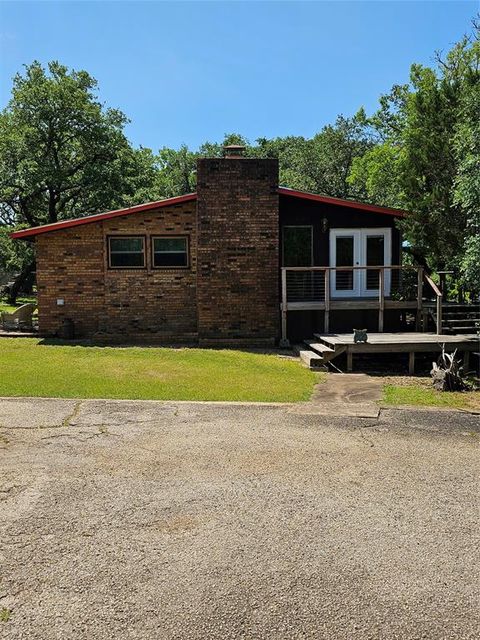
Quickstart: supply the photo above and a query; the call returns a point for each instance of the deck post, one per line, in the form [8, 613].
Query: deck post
[284, 306]
[439, 315]
[349, 360]
[381, 299]
[418, 321]
[326, 322]
[411, 363]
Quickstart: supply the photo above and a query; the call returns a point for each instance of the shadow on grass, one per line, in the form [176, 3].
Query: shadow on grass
[88, 342]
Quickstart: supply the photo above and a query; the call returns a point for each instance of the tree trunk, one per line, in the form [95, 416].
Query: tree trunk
[24, 279]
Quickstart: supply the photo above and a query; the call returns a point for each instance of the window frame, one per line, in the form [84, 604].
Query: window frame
[299, 226]
[170, 237]
[126, 237]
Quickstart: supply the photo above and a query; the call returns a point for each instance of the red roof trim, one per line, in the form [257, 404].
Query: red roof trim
[98, 217]
[284, 191]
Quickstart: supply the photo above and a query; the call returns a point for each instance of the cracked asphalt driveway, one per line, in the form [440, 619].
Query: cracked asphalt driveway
[148, 520]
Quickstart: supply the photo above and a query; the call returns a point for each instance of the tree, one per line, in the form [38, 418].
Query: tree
[62, 154]
[426, 158]
[467, 182]
[176, 173]
[321, 164]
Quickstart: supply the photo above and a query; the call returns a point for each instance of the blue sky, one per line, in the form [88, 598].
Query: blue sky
[192, 71]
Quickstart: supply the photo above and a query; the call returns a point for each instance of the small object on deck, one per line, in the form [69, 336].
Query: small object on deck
[360, 335]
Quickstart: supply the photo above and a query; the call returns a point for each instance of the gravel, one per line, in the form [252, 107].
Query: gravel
[144, 520]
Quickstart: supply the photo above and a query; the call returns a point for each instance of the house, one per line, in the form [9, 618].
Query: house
[242, 260]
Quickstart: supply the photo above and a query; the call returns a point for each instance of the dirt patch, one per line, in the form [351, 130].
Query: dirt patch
[408, 381]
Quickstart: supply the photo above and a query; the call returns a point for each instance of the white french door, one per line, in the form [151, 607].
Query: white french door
[358, 248]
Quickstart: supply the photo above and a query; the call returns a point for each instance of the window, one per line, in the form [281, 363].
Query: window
[126, 252]
[170, 252]
[297, 246]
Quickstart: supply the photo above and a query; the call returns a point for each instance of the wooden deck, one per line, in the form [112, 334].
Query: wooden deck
[411, 343]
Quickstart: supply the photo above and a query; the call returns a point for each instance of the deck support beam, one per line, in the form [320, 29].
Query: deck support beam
[411, 363]
[349, 360]
[284, 307]
[326, 321]
[381, 300]
[418, 319]
[439, 316]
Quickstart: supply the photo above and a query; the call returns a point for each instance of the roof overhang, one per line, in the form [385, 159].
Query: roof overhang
[27, 234]
[98, 217]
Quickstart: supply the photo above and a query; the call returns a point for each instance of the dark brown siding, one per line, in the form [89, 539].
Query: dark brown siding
[294, 211]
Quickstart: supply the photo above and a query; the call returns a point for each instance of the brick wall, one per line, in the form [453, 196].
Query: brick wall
[238, 244]
[229, 292]
[70, 266]
[146, 304]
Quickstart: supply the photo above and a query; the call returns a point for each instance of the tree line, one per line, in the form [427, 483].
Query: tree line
[63, 154]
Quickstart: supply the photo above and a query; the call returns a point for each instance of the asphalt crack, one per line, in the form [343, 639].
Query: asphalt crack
[66, 422]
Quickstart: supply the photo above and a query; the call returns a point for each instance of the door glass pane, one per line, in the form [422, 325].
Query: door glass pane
[345, 255]
[375, 246]
[297, 246]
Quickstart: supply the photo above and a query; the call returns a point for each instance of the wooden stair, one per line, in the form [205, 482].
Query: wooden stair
[460, 318]
[318, 354]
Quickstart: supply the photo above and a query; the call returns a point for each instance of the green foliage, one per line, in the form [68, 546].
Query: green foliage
[467, 182]
[320, 164]
[176, 171]
[377, 175]
[62, 154]
[427, 160]
[13, 255]
[5, 614]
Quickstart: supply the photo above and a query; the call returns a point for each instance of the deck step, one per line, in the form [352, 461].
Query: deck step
[311, 359]
[460, 305]
[319, 347]
[324, 339]
[458, 321]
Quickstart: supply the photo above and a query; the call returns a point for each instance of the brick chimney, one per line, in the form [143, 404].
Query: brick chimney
[238, 245]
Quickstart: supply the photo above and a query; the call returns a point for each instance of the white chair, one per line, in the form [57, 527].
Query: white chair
[21, 318]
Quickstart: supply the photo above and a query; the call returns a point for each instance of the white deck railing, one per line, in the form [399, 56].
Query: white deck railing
[360, 287]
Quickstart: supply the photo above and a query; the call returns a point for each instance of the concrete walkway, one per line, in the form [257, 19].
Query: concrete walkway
[346, 394]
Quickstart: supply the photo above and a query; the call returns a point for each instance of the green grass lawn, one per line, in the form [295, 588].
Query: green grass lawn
[429, 397]
[29, 368]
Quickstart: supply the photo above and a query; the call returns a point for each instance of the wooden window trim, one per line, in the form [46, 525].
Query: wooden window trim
[170, 237]
[124, 237]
